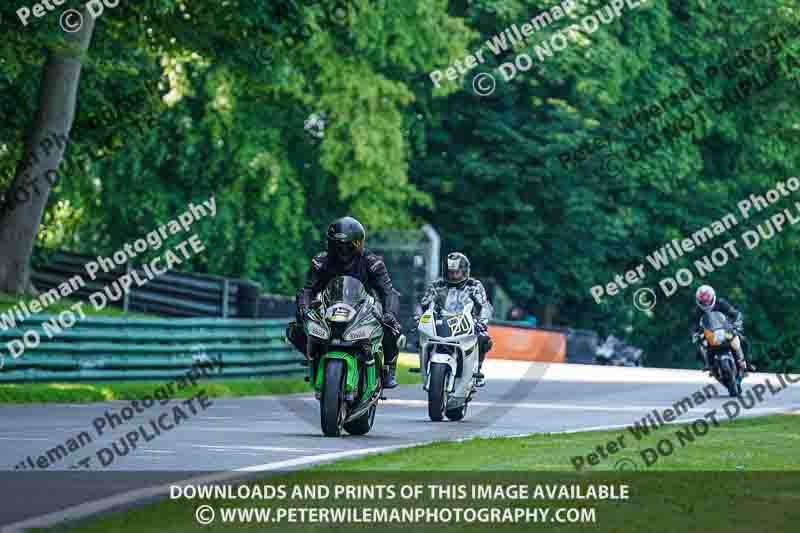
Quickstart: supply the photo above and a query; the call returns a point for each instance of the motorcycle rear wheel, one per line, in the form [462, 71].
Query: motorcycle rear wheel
[456, 414]
[362, 424]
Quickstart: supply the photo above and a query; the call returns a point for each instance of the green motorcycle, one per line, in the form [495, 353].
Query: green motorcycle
[346, 356]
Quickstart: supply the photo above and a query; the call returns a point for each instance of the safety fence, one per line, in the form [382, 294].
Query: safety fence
[170, 294]
[100, 348]
[527, 343]
[275, 306]
[519, 340]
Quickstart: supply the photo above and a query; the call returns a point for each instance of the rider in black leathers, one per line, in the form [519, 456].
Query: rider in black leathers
[346, 256]
[706, 300]
[457, 278]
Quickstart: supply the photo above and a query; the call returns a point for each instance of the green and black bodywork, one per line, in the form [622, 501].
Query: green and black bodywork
[345, 337]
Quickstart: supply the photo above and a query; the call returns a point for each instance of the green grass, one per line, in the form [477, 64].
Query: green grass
[768, 443]
[134, 390]
[693, 498]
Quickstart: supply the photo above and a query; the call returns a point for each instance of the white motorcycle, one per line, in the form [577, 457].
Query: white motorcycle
[448, 352]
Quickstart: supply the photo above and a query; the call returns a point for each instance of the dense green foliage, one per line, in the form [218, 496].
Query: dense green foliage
[179, 101]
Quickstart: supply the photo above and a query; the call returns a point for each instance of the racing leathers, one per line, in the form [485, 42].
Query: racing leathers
[483, 308]
[371, 271]
[736, 318]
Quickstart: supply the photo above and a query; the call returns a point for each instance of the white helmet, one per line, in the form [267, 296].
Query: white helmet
[705, 297]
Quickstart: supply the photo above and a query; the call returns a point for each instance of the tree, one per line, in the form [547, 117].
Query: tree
[44, 148]
[550, 232]
[237, 81]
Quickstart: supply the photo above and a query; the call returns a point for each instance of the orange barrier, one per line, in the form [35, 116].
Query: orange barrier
[523, 344]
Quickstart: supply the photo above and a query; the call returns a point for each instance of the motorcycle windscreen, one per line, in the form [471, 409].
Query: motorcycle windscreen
[344, 289]
[714, 320]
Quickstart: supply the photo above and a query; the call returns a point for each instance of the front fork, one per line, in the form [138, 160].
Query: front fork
[441, 359]
[704, 353]
[317, 374]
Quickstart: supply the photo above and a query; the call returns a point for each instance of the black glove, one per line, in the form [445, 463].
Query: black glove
[480, 327]
[390, 320]
[300, 307]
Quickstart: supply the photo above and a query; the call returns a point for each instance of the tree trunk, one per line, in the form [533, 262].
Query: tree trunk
[45, 142]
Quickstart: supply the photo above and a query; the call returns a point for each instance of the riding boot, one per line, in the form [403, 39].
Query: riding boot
[741, 361]
[706, 365]
[480, 379]
[388, 381]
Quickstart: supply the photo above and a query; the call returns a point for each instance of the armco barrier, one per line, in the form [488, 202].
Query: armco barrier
[527, 344]
[100, 348]
[171, 294]
[275, 306]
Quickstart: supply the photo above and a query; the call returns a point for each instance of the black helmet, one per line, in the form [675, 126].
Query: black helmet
[457, 269]
[345, 240]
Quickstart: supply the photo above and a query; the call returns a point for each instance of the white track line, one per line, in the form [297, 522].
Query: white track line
[234, 447]
[557, 372]
[89, 508]
[148, 450]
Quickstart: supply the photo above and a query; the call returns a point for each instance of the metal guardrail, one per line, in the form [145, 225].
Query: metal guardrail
[170, 294]
[275, 306]
[101, 348]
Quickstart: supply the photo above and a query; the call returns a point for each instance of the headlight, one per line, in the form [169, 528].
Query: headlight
[361, 332]
[720, 336]
[317, 331]
[340, 313]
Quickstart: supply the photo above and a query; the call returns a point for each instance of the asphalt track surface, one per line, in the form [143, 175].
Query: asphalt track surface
[244, 437]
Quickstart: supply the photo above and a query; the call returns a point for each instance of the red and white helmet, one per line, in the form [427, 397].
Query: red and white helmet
[705, 297]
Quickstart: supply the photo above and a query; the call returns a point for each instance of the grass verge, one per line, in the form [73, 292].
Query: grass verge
[764, 443]
[135, 390]
[693, 499]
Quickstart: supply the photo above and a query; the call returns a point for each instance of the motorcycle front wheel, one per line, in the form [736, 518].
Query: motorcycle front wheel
[437, 395]
[332, 405]
[729, 373]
